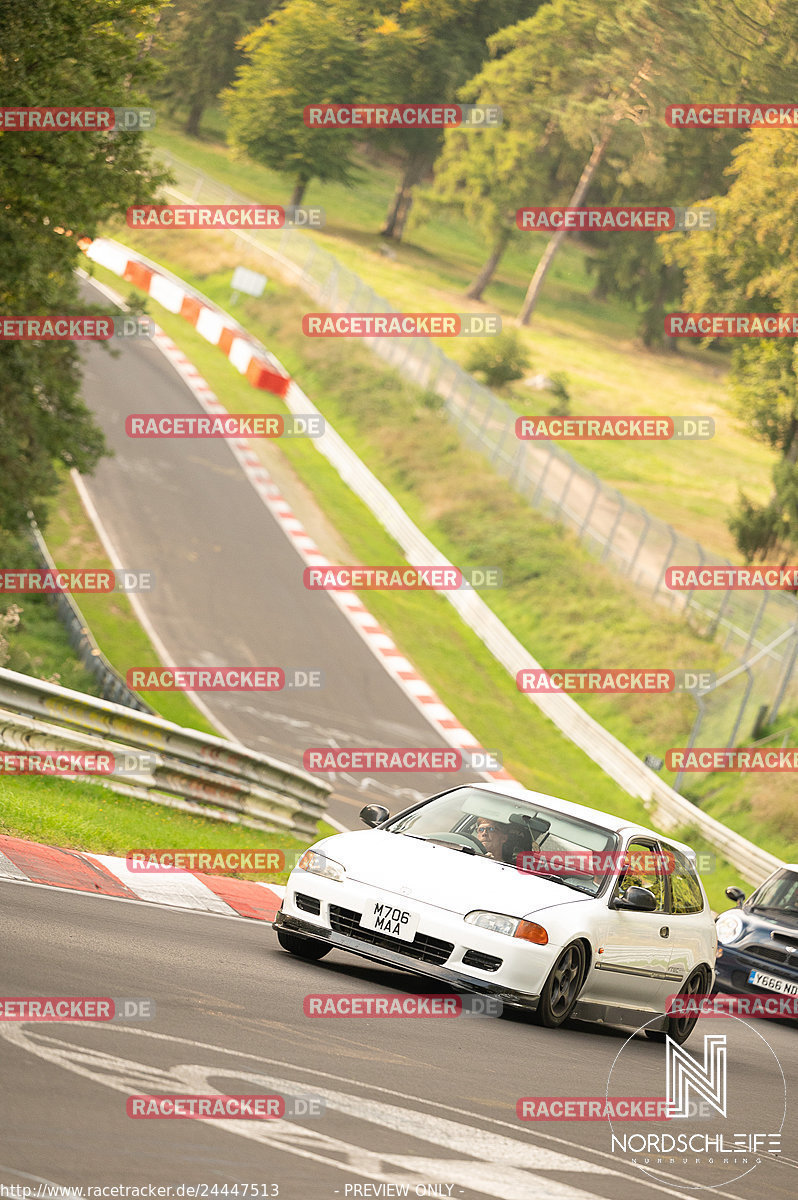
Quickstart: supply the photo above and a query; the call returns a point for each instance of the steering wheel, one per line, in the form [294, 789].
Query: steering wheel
[458, 839]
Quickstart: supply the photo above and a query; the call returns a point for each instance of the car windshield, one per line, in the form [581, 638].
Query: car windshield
[777, 895]
[512, 830]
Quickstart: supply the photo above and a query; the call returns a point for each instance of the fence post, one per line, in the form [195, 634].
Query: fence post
[543, 475]
[757, 621]
[616, 522]
[697, 723]
[643, 536]
[500, 440]
[743, 706]
[667, 562]
[596, 493]
[785, 678]
[564, 493]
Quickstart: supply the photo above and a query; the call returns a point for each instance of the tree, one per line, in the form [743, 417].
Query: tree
[198, 45]
[526, 161]
[308, 52]
[751, 265]
[424, 52]
[632, 268]
[642, 54]
[60, 53]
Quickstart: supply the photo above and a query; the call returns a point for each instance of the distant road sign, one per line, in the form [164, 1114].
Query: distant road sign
[250, 282]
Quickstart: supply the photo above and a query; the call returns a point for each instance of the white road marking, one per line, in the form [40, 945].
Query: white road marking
[175, 888]
[495, 1165]
[621, 1173]
[10, 870]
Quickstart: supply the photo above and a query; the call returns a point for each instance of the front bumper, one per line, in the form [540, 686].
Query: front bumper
[453, 978]
[734, 964]
[442, 942]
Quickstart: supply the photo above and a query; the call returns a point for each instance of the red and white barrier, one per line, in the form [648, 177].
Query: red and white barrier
[261, 368]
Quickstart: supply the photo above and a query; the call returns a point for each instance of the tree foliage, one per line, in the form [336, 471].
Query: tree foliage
[55, 186]
[198, 45]
[751, 265]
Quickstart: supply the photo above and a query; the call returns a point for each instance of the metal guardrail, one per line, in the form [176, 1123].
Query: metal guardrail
[175, 766]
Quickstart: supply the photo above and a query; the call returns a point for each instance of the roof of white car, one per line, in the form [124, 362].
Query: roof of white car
[571, 808]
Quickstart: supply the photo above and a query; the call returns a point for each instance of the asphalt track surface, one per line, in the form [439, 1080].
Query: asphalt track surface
[229, 592]
[408, 1101]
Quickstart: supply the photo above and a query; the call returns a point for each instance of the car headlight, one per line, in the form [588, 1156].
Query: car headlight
[317, 864]
[728, 927]
[511, 926]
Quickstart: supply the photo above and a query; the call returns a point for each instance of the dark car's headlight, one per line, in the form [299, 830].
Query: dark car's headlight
[728, 927]
[317, 864]
[511, 926]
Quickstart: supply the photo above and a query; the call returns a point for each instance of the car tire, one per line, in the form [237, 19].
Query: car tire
[678, 1029]
[562, 987]
[302, 947]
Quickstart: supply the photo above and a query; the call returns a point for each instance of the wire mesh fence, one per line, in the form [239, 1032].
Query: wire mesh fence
[758, 626]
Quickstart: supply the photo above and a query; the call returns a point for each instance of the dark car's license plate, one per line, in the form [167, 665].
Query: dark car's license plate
[773, 983]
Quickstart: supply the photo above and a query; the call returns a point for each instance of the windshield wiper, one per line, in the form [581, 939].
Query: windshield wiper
[575, 887]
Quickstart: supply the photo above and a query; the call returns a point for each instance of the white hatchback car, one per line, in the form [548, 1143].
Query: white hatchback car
[440, 890]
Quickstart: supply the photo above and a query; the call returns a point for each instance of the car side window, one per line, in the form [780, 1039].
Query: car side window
[685, 889]
[643, 869]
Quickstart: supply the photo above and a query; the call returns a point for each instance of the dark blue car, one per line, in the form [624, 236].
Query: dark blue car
[758, 940]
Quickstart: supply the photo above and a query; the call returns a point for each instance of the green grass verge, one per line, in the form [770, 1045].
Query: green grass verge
[88, 816]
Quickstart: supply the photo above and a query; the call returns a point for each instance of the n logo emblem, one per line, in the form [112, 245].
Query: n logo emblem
[684, 1074]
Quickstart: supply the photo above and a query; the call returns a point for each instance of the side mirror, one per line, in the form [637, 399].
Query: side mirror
[638, 899]
[735, 894]
[374, 814]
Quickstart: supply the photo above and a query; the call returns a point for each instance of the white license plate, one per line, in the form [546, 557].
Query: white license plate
[383, 917]
[773, 983]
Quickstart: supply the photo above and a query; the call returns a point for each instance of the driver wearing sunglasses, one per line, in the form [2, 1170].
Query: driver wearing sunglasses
[502, 842]
[493, 837]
